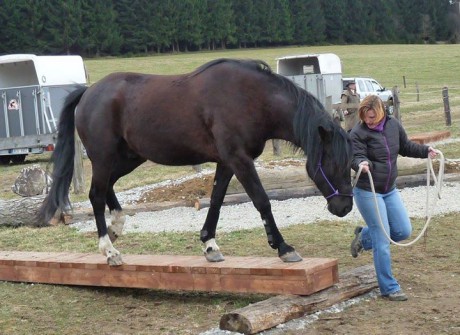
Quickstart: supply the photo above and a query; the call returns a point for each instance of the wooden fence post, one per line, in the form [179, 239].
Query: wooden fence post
[276, 147]
[78, 178]
[404, 81]
[418, 92]
[445, 99]
[396, 103]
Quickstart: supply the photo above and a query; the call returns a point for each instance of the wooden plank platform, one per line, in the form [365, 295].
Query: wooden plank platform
[189, 273]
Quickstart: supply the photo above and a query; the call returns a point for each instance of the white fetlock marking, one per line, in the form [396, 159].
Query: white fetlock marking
[118, 222]
[106, 247]
[211, 244]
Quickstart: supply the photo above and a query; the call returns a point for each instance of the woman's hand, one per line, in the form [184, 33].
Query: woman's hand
[365, 166]
[432, 152]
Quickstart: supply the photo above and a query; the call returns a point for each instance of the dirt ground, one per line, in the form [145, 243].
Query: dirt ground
[189, 190]
[432, 284]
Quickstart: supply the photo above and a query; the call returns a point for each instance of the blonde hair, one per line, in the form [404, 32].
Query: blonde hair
[372, 102]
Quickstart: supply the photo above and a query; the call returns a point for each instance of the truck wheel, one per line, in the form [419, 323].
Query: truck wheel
[4, 160]
[18, 159]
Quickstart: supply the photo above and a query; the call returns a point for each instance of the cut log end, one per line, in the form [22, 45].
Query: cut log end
[235, 322]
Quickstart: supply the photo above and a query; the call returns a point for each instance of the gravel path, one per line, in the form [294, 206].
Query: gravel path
[287, 212]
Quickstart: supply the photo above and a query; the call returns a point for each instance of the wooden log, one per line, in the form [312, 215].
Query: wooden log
[279, 309]
[302, 192]
[273, 179]
[20, 212]
[277, 194]
[430, 137]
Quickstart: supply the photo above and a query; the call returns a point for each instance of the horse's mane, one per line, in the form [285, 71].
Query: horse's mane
[309, 117]
[251, 64]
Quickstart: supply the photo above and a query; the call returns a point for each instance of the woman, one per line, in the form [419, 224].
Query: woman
[377, 141]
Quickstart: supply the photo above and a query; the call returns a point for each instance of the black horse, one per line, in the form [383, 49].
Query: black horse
[223, 112]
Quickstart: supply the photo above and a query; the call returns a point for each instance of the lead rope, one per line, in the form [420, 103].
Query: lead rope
[437, 183]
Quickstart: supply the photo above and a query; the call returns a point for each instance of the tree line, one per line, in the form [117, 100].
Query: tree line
[128, 27]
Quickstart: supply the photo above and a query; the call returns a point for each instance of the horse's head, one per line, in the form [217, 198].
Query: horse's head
[330, 169]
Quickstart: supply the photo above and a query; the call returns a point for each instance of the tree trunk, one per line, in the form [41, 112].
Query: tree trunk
[20, 212]
[23, 211]
[274, 311]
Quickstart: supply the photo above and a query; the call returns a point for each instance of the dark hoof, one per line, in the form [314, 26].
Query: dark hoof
[291, 257]
[214, 256]
[115, 260]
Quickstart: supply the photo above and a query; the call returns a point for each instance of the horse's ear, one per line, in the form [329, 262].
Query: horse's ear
[325, 134]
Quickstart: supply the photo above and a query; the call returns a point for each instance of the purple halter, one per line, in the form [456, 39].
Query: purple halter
[335, 191]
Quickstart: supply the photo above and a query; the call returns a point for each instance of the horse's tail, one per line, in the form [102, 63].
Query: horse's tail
[63, 161]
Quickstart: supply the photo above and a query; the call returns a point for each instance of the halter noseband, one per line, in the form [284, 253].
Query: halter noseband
[335, 191]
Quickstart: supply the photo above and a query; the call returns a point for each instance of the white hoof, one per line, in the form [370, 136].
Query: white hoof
[107, 249]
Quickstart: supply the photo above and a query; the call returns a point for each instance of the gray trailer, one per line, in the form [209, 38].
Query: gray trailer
[33, 89]
[319, 74]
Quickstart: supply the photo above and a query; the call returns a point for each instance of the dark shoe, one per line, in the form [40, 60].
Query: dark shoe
[396, 296]
[356, 245]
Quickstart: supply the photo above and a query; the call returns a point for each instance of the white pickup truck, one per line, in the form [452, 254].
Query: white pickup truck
[368, 86]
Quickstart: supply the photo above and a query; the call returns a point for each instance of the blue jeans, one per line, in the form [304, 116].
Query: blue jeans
[397, 224]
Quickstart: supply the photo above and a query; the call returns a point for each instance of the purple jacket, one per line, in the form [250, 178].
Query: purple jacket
[381, 147]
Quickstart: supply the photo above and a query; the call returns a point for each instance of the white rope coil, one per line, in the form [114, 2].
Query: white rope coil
[437, 184]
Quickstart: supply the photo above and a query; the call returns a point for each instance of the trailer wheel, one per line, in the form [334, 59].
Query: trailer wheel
[18, 159]
[4, 160]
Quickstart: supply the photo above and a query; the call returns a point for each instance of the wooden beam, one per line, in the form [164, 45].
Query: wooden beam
[276, 310]
[430, 137]
[303, 192]
[191, 273]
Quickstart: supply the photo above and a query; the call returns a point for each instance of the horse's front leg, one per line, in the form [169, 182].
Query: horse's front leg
[246, 173]
[208, 232]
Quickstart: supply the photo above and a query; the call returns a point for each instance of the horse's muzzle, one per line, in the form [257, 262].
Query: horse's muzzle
[340, 207]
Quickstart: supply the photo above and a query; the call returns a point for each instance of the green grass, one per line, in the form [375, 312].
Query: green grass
[51, 309]
[430, 66]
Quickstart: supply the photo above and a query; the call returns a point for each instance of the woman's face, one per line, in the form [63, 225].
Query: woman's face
[370, 118]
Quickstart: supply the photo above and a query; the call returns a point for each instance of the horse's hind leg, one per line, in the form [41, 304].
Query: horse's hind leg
[208, 232]
[118, 218]
[97, 197]
[122, 167]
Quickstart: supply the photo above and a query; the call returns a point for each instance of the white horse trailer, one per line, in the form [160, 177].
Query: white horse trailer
[319, 74]
[33, 89]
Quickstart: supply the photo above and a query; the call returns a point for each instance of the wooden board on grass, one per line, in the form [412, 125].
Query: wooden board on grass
[189, 273]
